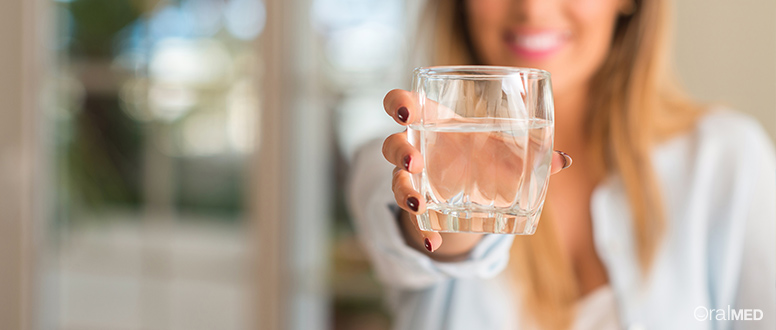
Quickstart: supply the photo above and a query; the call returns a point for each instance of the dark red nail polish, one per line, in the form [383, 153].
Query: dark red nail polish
[566, 159]
[427, 243]
[413, 203]
[403, 114]
[407, 160]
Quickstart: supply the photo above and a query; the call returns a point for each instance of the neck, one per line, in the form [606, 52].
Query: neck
[570, 113]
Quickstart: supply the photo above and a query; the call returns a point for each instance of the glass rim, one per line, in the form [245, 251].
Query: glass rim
[483, 72]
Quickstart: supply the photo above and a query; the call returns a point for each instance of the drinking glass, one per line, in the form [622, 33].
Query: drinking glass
[485, 134]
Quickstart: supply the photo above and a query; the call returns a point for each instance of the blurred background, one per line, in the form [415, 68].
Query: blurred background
[179, 164]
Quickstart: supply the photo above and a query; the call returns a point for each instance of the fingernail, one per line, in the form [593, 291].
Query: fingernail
[427, 243]
[412, 202]
[407, 160]
[403, 114]
[566, 159]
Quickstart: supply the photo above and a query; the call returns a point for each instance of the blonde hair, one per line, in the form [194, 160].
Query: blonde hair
[635, 105]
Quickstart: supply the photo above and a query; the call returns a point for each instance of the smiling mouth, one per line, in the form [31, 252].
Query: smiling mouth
[536, 45]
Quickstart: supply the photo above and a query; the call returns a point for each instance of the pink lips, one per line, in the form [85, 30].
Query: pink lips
[536, 44]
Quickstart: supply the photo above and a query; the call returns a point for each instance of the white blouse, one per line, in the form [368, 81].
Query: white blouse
[719, 251]
[597, 311]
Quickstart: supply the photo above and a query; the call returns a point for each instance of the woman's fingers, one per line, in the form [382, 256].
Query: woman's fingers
[404, 108]
[399, 152]
[428, 240]
[411, 201]
[401, 105]
[431, 240]
[405, 195]
[560, 161]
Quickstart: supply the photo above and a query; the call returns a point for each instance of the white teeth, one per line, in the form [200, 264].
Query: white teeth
[538, 42]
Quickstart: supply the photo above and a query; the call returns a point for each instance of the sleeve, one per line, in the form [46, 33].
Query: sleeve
[757, 278]
[373, 208]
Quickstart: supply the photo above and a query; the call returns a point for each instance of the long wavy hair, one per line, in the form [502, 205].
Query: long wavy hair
[635, 104]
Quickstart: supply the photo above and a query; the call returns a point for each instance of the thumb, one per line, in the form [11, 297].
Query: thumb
[560, 161]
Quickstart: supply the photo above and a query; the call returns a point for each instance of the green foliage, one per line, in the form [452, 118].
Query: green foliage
[104, 157]
[96, 23]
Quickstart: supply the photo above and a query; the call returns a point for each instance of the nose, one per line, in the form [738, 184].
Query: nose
[532, 10]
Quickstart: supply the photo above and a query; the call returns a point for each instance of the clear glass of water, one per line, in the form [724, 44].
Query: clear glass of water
[486, 136]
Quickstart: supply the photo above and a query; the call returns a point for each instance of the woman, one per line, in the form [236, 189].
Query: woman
[666, 217]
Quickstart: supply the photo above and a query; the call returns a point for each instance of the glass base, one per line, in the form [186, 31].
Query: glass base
[478, 222]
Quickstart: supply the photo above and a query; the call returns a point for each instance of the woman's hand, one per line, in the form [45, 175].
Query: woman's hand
[402, 106]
